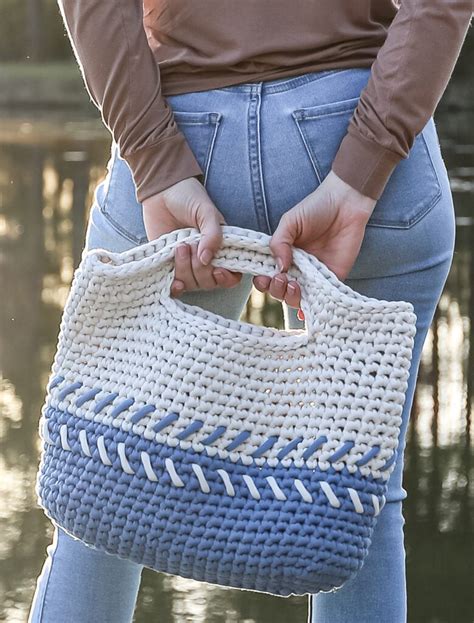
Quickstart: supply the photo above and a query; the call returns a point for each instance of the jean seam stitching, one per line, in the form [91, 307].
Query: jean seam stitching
[103, 208]
[43, 601]
[423, 211]
[210, 149]
[295, 78]
[120, 230]
[383, 223]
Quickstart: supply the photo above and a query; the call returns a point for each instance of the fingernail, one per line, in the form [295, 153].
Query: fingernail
[280, 264]
[218, 274]
[205, 257]
[178, 285]
[182, 250]
[262, 283]
[280, 280]
[291, 287]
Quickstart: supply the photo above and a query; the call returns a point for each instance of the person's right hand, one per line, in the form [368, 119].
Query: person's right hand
[187, 204]
[330, 224]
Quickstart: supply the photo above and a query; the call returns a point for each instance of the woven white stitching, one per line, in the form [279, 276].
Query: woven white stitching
[203, 483]
[303, 491]
[382, 502]
[251, 486]
[376, 504]
[227, 483]
[63, 435]
[275, 488]
[172, 472]
[102, 451]
[327, 489]
[355, 500]
[147, 465]
[200, 475]
[123, 458]
[45, 431]
[84, 444]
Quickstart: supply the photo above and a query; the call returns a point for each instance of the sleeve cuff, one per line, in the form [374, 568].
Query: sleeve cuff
[159, 166]
[364, 164]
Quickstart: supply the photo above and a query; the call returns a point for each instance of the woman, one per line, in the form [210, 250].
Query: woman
[311, 121]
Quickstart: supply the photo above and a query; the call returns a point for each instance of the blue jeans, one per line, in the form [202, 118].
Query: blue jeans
[263, 147]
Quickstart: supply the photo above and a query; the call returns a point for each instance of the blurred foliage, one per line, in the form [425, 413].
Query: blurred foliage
[34, 29]
[32, 34]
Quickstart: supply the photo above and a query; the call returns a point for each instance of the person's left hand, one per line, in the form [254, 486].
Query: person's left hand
[330, 224]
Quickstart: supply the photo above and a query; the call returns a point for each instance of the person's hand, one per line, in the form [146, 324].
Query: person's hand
[187, 204]
[330, 224]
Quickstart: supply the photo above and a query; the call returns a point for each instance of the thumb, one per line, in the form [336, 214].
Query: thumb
[282, 241]
[210, 226]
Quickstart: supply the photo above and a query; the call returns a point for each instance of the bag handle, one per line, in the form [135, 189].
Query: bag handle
[248, 251]
[244, 250]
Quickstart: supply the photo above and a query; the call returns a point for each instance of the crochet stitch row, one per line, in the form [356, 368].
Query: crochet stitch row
[282, 546]
[203, 484]
[196, 425]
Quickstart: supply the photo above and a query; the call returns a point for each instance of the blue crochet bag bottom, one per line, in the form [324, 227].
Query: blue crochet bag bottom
[312, 541]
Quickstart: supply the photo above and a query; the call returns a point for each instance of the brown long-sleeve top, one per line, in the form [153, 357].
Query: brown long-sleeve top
[133, 53]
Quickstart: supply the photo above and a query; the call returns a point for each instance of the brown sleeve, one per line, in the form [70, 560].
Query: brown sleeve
[407, 80]
[123, 80]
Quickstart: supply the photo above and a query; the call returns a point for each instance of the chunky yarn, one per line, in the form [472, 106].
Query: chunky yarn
[199, 446]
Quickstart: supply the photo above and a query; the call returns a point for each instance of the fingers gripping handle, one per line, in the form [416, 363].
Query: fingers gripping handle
[242, 250]
[241, 253]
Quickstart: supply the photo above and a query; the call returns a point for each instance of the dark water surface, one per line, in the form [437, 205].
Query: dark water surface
[49, 167]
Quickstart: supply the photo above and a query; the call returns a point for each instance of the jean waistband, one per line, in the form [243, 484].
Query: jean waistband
[285, 84]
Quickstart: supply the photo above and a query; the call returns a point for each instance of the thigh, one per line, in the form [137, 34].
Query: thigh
[407, 263]
[409, 240]
[80, 584]
[382, 578]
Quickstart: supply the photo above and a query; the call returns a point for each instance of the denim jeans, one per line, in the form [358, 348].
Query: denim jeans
[263, 147]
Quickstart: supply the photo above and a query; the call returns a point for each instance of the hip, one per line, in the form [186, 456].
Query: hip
[264, 146]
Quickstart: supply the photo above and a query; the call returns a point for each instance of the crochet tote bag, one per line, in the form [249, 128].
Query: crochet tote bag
[222, 451]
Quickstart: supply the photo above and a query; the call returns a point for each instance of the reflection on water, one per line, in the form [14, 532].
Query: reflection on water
[49, 168]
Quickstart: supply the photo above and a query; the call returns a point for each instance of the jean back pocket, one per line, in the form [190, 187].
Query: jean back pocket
[118, 201]
[413, 187]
